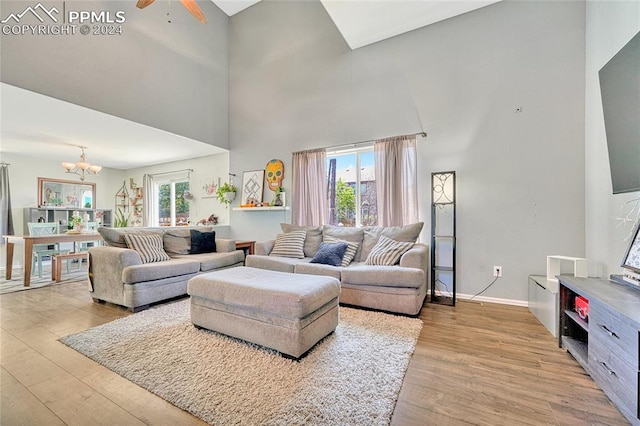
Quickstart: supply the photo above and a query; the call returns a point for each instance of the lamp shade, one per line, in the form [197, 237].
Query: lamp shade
[443, 187]
[68, 166]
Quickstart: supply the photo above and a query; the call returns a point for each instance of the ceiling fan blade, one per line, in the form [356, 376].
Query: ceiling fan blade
[144, 3]
[193, 9]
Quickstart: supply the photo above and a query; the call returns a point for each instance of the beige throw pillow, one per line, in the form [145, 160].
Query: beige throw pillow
[406, 233]
[387, 252]
[290, 244]
[311, 241]
[149, 247]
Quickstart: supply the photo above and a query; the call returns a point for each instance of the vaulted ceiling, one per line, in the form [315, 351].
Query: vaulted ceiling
[360, 23]
[364, 22]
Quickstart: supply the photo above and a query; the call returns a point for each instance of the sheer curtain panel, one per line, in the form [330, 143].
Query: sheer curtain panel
[6, 217]
[396, 180]
[149, 205]
[309, 204]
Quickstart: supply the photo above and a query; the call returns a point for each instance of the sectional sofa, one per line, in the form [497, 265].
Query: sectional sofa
[118, 274]
[399, 288]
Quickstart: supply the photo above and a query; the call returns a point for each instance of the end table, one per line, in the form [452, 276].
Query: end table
[247, 246]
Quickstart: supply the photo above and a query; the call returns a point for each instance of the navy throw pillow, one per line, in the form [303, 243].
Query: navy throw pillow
[202, 242]
[330, 253]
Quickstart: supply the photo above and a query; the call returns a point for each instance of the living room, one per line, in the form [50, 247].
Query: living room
[521, 177]
[508, 95]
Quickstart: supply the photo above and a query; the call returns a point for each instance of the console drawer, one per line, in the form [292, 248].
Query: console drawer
[616, 377]
[613, 332]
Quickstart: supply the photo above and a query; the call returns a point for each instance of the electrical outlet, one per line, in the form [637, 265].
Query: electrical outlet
[497, 271]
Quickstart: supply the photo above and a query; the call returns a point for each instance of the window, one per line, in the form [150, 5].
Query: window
[173, 208]
[351, 187]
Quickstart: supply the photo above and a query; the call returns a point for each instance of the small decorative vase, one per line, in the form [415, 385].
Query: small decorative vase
[230, 196]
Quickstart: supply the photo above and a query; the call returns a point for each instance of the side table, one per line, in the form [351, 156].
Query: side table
[247, 246]
[544, 301]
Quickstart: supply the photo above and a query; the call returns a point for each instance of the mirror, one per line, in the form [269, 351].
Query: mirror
[631, 258]
[67, 194]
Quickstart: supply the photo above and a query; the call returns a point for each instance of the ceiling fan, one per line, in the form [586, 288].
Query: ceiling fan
[190, 5]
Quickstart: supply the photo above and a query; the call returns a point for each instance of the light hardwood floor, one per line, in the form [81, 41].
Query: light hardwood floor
[474, 364]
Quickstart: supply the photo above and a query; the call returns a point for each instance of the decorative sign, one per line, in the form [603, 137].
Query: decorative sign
[252, 185]
[209, 187]
[275, 174]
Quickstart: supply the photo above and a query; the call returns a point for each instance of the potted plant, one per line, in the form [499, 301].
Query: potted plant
[226, 193]
[121, 221]
[278, 199]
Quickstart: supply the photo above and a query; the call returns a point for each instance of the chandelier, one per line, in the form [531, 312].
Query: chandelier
[82, 167]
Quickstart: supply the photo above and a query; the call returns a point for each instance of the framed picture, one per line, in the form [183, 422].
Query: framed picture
[209, 187]
[252, 184]
[631, 259]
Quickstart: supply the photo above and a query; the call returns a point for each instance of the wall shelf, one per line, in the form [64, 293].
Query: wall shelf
[261, 209]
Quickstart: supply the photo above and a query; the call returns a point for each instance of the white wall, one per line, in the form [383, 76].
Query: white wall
[609, 26]
[24, 172]
[171, 76]
[23, 179]
[204, 169]
[295, 85]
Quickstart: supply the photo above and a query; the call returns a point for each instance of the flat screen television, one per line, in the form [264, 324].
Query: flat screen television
[620, 91]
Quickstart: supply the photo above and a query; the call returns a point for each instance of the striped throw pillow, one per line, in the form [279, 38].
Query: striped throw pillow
[149, 247]
[349, 254]
[387, 252]
[290, 244]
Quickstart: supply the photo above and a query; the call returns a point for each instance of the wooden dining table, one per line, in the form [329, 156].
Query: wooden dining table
[28, 241]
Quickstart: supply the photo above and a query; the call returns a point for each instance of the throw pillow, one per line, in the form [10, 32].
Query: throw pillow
[311, 241]
[387, 252]
[349, 254]
[406, 233]
[177, 241]
[290, 244]
[149, 247]
[330, 253]
[346, 233]
[202, 242]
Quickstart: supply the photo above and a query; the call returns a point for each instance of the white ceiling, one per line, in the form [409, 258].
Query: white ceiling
[40, 126]
[44, 127]
[231, 7]
[362, 22]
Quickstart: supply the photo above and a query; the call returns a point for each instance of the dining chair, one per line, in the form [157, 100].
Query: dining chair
[42, 250]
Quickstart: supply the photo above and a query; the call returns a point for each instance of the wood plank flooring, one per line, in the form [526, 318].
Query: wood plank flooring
[482, 364]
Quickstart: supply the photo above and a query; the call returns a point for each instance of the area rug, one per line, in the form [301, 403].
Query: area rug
[352, 377]
[16, 283]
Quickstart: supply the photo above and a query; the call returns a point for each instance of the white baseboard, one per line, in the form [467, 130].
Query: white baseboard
[501, 301]
[512, 302]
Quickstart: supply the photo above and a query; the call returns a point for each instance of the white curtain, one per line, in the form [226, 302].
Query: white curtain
[396, 180]
[309, 201]
[149, 204]
[6, 217]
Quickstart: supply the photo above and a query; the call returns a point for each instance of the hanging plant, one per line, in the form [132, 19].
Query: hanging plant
[226, 193]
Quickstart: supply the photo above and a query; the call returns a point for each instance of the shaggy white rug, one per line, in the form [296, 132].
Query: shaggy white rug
[352, 377]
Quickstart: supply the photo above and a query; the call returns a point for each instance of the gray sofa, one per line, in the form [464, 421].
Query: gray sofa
[399, 288]
[118, 275]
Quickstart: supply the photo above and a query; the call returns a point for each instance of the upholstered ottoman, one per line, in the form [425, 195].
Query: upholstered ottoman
[286, 312]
